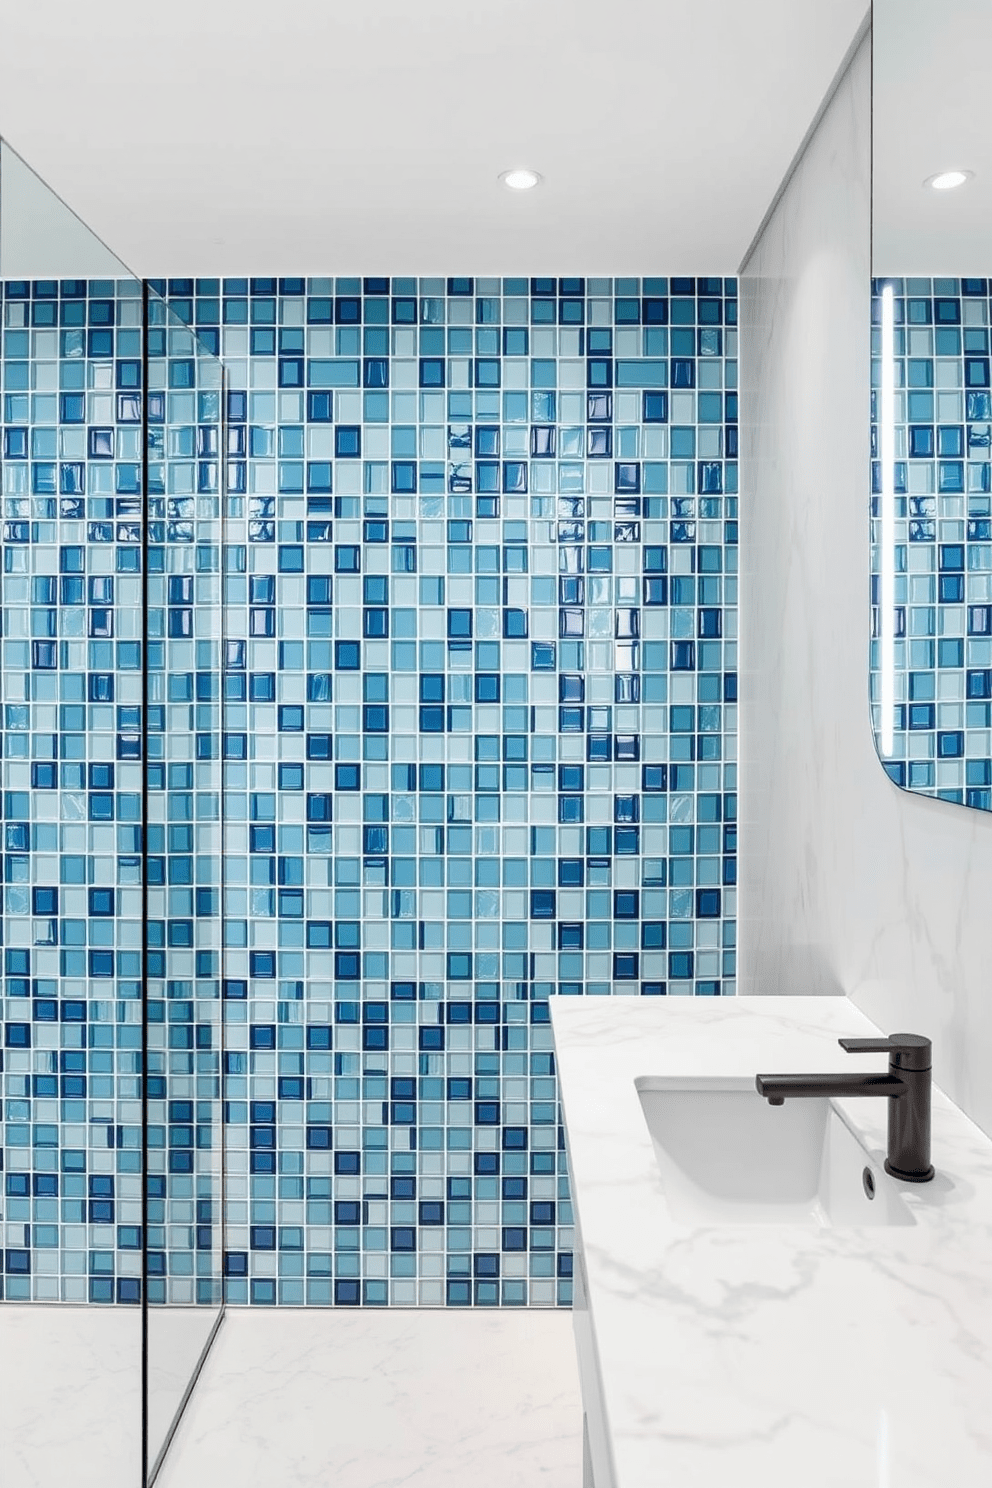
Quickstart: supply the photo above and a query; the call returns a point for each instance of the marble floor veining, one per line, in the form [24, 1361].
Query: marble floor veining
[423, 1399]
[70, 1396]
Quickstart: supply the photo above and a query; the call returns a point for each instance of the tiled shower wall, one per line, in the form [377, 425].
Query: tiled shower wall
[85, 766]
[478, 749]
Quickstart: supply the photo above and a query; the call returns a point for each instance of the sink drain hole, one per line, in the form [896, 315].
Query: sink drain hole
[868, 1182]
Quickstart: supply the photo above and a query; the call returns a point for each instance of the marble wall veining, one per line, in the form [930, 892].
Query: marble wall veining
[849, 884]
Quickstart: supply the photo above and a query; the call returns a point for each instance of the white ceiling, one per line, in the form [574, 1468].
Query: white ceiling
[932, 113]
[307, 136]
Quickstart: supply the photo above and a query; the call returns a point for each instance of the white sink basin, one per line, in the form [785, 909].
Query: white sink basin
[727, 1157]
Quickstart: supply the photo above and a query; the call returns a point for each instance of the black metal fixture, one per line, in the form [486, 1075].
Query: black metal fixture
[907, 1086]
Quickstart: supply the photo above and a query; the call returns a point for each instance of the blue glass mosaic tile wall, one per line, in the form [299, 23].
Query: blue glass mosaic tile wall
[478, 749]
[75, 787]
[943, 484]
[72, 794]
[183, 551]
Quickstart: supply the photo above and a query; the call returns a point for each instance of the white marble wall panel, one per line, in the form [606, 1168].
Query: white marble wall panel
[848, 885]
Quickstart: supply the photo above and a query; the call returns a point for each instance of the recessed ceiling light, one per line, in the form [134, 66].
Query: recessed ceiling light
[947, 180]
[520, 180]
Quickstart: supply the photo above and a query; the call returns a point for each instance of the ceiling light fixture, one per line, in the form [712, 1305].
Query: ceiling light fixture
[947, 180]
[520, 180]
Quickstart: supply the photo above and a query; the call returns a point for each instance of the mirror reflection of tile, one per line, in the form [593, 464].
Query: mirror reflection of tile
[942, 739]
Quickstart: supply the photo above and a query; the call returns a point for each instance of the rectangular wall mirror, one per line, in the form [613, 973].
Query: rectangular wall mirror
[931, 488]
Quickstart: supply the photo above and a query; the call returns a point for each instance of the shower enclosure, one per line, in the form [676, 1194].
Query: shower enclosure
[473, 693]
[112, 469]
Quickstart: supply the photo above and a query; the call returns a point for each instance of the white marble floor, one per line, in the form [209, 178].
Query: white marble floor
[70, 1396]
[423, 1399]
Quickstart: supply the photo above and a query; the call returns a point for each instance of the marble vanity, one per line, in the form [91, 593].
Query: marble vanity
[852, 1351]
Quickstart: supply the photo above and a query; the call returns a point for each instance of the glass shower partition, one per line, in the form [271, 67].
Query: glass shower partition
[184, 434]
[71, 1334]
[112, 436]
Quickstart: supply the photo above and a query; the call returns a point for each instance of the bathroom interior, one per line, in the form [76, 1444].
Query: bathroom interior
[496, 745]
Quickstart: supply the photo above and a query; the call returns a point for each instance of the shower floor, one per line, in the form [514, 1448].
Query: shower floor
[70, 1395]
[371, 1399]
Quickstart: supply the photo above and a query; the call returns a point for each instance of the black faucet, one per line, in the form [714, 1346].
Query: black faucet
[907, 1086]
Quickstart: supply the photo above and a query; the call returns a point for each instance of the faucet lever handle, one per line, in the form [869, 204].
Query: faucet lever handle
[909, 1051]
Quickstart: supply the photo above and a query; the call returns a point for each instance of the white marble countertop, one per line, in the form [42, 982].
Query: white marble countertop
[764, 1355]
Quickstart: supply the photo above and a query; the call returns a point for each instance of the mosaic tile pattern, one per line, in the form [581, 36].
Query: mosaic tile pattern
[477, 730]
[479, 749]
[183, 860]
[72, 692]
[73, 786]
[943, 556]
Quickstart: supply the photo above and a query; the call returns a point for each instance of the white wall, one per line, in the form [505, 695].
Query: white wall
[848, 885]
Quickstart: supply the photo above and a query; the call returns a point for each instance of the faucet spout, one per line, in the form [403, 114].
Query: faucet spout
[779, 1087]
[906, 1085]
